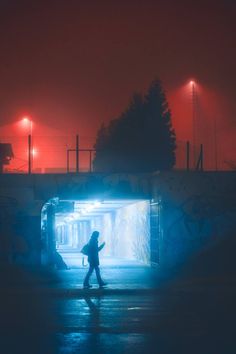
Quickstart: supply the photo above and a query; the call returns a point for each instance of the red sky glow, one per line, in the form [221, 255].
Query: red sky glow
[71, 65]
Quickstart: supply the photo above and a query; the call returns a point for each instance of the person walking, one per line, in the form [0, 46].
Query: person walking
[93, 260]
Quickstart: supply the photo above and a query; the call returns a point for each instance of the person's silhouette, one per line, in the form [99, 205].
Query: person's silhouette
[93, 259]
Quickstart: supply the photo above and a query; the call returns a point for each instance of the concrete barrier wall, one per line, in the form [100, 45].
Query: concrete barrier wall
[198, 219]
[198, 211]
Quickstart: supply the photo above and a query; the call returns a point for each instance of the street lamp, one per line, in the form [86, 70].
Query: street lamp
[27, 121]
[194, 118]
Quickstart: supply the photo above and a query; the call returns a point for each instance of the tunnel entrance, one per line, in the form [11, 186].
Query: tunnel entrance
[124, 225]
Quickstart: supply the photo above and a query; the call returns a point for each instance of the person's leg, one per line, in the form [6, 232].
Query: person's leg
[99, 278]
[88, 275]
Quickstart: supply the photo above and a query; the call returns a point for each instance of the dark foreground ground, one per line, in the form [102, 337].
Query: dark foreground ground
[142, 311]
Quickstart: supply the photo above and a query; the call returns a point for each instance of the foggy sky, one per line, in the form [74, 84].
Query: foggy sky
[73, 64]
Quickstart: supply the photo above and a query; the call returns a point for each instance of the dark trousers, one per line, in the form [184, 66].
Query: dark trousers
[90, 271]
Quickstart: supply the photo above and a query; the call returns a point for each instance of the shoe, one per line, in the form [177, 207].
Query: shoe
[88, 286]
[102, 284]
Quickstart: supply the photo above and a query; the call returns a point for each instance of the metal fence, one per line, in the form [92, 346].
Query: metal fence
[49, 154]
[68, 154]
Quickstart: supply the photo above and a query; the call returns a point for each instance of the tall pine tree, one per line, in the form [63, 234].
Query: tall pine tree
[141, 139]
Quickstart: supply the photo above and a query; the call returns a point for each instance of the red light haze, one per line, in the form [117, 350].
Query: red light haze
[72, 64]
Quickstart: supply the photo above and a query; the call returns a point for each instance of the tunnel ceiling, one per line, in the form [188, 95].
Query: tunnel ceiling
[86, 209]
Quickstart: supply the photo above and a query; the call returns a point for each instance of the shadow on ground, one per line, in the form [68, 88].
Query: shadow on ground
[26, 318]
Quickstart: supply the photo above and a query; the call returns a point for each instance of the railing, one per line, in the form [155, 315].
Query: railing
[73, 154]
[50, 154]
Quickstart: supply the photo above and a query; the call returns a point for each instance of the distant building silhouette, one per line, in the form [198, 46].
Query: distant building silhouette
[6, 154]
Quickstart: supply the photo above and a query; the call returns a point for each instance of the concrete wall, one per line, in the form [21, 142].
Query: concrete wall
[198, 220]
[20, 235]
[198, 211]
[126, 232]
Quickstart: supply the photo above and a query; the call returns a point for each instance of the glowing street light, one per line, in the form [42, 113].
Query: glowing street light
[34, 152]
[27, 122]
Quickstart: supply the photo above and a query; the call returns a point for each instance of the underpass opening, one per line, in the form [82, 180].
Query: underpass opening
[124, 225]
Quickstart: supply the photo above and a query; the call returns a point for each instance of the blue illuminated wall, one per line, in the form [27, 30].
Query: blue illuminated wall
[126, 232]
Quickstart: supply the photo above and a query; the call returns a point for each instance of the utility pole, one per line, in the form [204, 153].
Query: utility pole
[199, 165]
[215, 145]
[187, 155]
[29, 154]
[77, 153]
[194, 121]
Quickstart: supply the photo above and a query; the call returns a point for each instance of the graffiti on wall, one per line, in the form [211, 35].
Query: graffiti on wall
[199, 210]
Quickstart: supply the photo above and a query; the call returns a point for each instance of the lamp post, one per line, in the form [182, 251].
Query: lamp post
[29, 123]
[194, 119]
[215, 144]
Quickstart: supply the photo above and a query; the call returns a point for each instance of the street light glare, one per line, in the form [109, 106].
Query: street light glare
[25, 119]
[34, 152]
[27, 123]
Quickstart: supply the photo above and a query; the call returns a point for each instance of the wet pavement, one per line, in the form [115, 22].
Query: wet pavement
[141, 311]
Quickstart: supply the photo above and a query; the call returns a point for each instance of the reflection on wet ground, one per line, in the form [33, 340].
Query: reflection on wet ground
[185, 317]
[169, 323]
